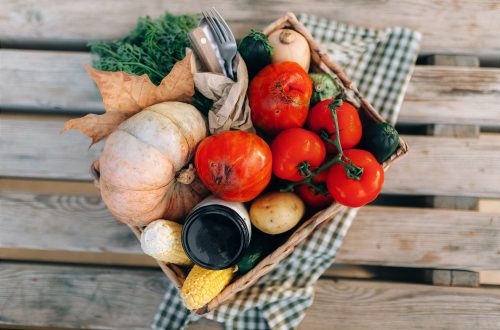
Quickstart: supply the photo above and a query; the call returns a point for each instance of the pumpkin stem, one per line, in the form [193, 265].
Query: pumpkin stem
[286, 37]
[187, 175]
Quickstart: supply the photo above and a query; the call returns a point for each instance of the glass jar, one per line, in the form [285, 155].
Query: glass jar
[216, 233]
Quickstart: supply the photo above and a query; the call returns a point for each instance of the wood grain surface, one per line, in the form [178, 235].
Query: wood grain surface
[423, 238]
[48, 81]
[37, 149]
[448, 166]
[453, 95]
[78, 297]
[76, 228]
[62, 227]
[443, 165]
[375, 305]
[109, 298]
[447, 26]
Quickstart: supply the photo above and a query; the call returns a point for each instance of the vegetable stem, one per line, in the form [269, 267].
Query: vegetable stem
[305, 169]
[352, 171]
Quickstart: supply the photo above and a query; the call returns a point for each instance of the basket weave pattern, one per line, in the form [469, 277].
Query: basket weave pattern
[322, 63]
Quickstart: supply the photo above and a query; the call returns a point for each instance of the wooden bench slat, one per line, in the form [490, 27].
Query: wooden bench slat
[443, 165]
[447, 26]
[110, 298]
[452, 95]
[66, 228]
[37, 149]
[348, 304]
[57, 82]
[447, 166]
[424, 238]
[78, 229]
[47, 81]
[78, 297]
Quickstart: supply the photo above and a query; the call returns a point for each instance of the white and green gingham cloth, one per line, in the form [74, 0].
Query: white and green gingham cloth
[380, 63]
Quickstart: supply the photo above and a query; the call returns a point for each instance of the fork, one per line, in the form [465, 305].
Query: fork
[223, 37]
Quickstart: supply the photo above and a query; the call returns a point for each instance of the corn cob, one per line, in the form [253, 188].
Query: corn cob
[202, 285]
[162, 240]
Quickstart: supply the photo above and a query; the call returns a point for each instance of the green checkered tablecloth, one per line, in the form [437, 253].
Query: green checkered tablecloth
[380, 63]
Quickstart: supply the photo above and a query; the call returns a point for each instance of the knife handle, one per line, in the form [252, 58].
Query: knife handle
[203, 49]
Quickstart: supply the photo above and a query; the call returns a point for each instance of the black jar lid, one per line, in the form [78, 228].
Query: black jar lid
[215, 236]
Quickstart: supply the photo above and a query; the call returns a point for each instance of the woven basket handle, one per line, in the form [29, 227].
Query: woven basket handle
[95, 173]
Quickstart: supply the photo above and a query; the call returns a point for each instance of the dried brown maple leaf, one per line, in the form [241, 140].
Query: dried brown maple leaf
[124, 95]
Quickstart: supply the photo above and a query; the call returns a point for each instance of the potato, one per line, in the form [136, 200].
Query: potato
[276, 212]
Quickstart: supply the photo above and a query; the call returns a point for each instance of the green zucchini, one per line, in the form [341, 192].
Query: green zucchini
[251, 257]
[324, 87]
[256, 51]
[381, 140]
[259, 246]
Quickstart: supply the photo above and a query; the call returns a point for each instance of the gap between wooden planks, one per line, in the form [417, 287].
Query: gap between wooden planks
[111, 298]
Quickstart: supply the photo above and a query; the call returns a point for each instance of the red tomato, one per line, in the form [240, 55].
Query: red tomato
[320, 118]
[234, 165]
[352, 192]
[313, 198]
[295, 148]
[279, 97]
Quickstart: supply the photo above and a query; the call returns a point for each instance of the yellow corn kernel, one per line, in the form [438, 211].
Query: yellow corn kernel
[162, 240]
[202, 285]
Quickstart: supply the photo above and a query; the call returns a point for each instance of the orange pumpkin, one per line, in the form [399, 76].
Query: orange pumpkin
[142, 170]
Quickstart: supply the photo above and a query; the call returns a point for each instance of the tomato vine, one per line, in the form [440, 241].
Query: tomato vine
[352, 171]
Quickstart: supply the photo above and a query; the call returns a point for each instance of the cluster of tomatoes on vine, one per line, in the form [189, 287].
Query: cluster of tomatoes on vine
[313, 148]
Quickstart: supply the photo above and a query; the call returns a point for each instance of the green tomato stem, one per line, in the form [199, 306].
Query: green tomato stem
[352, 171]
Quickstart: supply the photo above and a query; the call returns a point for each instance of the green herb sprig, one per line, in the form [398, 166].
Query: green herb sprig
[152, 48]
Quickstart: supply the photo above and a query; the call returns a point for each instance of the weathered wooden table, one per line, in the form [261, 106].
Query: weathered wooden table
[424, 256]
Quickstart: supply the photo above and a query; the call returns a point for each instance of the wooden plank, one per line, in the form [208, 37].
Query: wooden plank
[69, 227]
[56, 82]
[37, 149]
[489, 205]
[78, 297]
[452, 95]
[445, 276]
[451, 202]
[454, 130]
[454, 60]
[447, 26]
[444, 166]
[66, 228]
[489, 277]
[110, 298]
[447, 166]
[453, 277]
[48, 81]
[426, 238]
[368, 305]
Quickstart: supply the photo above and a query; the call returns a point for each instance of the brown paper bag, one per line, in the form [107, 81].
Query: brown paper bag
[230, 109]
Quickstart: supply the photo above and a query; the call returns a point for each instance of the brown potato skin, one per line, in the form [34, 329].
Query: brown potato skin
[277, 212]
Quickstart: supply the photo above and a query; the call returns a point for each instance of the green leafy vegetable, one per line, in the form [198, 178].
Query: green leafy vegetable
[152, 48]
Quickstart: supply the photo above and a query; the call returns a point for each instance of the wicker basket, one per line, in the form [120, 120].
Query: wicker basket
[321, 63]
